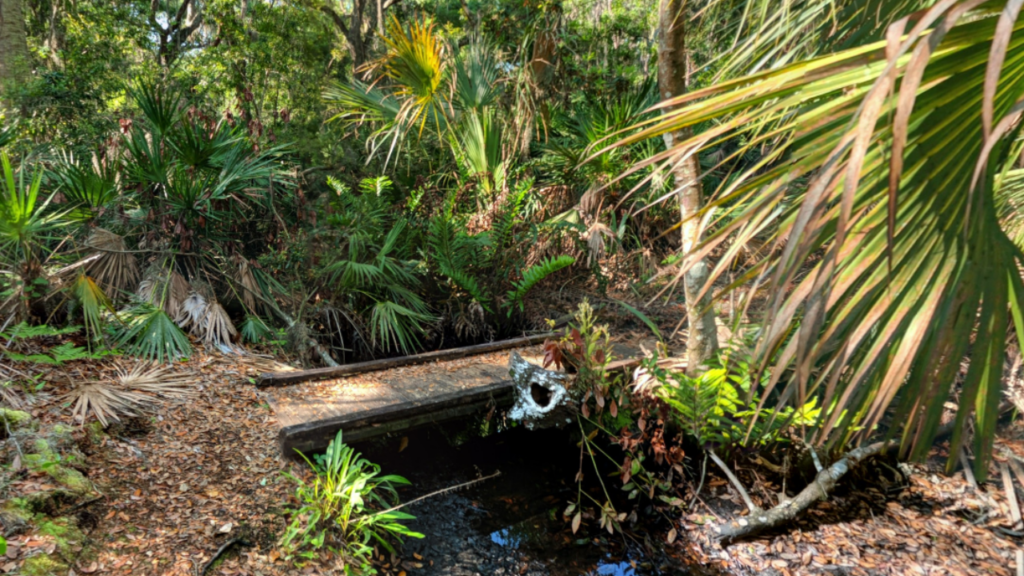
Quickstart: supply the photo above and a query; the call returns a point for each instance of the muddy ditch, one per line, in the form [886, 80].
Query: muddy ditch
[511, 524]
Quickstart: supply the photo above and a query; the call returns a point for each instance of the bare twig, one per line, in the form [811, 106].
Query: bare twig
[754, 509]
[1011, 496]
[438, 493]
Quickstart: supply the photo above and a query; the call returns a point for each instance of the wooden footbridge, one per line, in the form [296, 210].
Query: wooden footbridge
[374, 398]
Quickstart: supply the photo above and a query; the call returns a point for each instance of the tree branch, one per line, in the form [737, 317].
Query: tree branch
[817, 490]
[338, 20]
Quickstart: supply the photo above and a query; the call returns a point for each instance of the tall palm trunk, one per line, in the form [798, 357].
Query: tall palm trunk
[702, 341]
[14, 56]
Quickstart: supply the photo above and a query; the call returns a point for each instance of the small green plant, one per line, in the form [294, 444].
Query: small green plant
[713, 406]
[347, 507]
[54, 356]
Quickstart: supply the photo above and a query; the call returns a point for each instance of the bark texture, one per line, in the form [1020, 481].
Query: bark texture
[702, 340]
[14, 56]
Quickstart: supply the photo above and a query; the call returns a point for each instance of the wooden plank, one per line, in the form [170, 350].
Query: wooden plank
[315, 435]
[283, 378]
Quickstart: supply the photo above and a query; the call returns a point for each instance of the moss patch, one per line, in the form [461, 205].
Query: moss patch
[44, 565]
[65, 534]
[45, 459]
[15, 418]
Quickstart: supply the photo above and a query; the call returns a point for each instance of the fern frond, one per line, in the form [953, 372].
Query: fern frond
[534, 275]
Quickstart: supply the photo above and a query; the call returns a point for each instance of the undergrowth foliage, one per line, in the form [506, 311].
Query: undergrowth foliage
[347, 507]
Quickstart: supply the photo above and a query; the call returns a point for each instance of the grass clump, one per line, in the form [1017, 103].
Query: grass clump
[348, 507]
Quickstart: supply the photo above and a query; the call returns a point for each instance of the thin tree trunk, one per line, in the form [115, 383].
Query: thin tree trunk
[14, 55]
[702, 341]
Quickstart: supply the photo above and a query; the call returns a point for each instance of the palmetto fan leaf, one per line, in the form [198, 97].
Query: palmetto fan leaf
[90, 187]
[899, 143]
[151, 378]
[415, 61]
[130, 394]
[107, 402]
[93, 301]
[116, 269]
[150, 333]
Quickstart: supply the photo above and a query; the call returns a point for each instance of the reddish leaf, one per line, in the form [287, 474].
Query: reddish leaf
[577, 339]
[614, 409]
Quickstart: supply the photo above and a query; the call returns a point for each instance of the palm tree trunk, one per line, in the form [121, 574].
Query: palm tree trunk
[14, 56]
[702, 341]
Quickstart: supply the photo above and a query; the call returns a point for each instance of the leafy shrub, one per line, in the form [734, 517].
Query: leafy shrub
[347, 507]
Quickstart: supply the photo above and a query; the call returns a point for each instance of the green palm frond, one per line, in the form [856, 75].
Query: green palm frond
[416, 62]
[358, 103]
[150, 333]
[771, 34]
[1010, 204]
[396, 327]
[254, 330]
[90, 187]
[160, 105]
[476, 76]
[26, 224]
[882, 167]
[93, 301]
[477, 146]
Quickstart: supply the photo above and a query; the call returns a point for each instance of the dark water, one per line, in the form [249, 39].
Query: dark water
[511, 524]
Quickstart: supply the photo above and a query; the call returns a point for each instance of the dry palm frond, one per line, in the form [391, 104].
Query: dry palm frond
[8, 396]
[163, 289]
[246, 278]
[595, 241]
[220, 331]
[116, 269]
[107, 401]
[149, 377]
[192, 313]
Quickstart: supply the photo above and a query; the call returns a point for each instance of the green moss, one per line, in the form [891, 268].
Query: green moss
[44, 459]
[95, 431]
[44, 565]
[15, 418]
[65, 534]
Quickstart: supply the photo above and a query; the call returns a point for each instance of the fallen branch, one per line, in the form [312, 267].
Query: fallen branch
[220, 551]
[817, 490]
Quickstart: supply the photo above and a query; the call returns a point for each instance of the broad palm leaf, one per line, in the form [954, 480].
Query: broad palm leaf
[890, 266]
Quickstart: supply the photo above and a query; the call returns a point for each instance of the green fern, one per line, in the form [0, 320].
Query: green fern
[534, 275]
[56, 356]
[703, 405]
[24, 332]
[455, 253]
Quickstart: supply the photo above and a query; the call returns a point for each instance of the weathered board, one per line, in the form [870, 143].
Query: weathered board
[368, 405]
[296, 376]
